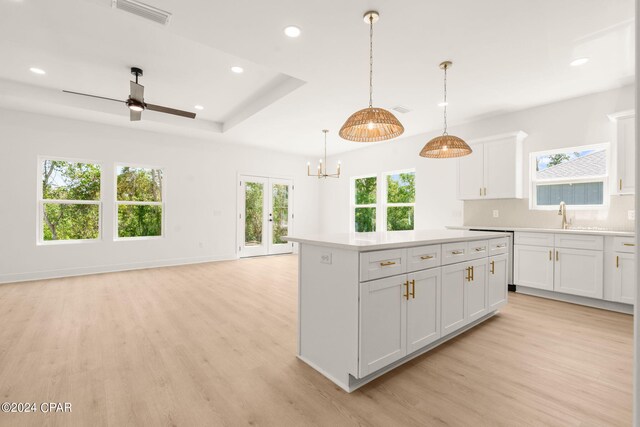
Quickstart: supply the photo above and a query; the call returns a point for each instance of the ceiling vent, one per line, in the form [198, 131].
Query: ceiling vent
[143, 10]
[401, 109]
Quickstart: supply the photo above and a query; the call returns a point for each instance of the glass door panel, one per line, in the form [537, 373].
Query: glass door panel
[279, 215]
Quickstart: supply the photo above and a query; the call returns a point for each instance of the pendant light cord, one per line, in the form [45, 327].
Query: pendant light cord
[445, 100]
[370, 60]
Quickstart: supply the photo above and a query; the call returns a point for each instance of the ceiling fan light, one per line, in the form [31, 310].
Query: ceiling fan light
[444, 147]
[371, 125]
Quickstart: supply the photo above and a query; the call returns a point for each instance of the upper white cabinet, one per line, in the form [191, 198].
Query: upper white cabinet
[493, 170]
[624, 152]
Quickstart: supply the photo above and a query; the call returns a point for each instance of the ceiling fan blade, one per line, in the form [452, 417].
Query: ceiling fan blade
[168, 110]
[135, 116]
[93, 96]
[137, 91]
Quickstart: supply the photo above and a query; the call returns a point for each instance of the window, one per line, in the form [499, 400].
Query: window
[365, 196]
[400, 200]
[389, 206]
[69, 201]
[577, 176]
[139, 202]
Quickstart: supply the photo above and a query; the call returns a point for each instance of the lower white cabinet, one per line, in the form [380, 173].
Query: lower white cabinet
[624, 278]
[398, 315]
[497, 277]
[453, 296]
[579, 272]
[533, 266]
[476, 290]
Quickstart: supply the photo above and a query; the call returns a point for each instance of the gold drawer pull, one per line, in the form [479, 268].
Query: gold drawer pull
[426, 257]
[549, 255]
[503, 245]
[457, 252]
[493, 267]
[629, 244]
[480, 249]
[617, 262]
[384, 264]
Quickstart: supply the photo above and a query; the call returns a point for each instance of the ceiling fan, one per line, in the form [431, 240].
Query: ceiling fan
[136, 103]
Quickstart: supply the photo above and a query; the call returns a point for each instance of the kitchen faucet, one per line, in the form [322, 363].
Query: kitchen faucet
[563, 211]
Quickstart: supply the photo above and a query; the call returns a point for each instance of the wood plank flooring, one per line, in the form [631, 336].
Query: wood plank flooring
[214, 344]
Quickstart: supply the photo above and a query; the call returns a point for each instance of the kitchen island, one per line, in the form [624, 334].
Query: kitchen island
[369, 302]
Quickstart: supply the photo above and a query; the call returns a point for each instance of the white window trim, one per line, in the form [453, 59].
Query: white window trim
[117, 203]
[40, 202]
[533, 199]
[381, 204]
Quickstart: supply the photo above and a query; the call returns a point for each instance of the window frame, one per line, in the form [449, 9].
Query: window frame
[41, 201]
[386, 204]
[353, 205]
[533, 183]
[117, 203]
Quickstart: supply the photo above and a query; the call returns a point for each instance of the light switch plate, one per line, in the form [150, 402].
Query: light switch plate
[496, 213]
[631, 215]
[325, 258]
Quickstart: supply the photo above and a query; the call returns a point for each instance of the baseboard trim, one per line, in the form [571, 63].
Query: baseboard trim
[101, 269]
[576, 299]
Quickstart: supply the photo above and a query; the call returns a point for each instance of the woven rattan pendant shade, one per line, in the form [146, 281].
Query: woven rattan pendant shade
[444, 147]
[371, 125]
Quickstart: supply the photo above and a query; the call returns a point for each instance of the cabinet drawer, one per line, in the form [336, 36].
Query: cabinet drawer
[377, 264]
[454, 252]
[498, 246]
[423, 257]
[478, 249]
[533, 239]
[577, 241]
[624, 244]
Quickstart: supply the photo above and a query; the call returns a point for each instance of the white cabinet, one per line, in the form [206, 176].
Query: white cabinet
[476, 290]
[383, 323]
[533, 266]
[423, 309]
[625, 151]
[493, 170]
[497, 281]
[454, 278]
[624, 278]
[579, 272]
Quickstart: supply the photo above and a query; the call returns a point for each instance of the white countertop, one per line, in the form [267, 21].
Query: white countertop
[391, 240]
[549, 230]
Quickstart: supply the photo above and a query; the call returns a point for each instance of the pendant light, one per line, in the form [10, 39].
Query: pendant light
[371, 124]
[322, 167]
[445, 146]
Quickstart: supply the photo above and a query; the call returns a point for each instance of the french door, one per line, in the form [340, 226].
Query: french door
[265, 215]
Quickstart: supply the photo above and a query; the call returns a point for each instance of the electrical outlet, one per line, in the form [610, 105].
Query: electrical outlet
[325, 258]
[496, 213]
[631, 215]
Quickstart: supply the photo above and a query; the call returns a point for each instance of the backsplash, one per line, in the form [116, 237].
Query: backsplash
[516, 213]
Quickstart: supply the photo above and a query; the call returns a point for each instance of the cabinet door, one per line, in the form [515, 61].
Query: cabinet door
[502, 169]
[497, 283]
[624, 279]
[579, 272]
[383, 323]
[423, 309]
[533, 266]
[453, 305]
[626, 155]
[477, 290]
[471, 174]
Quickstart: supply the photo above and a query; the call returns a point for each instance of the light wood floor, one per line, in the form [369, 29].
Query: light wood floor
[214, 344]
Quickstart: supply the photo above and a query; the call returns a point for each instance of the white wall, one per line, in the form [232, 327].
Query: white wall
[578, 121]
[201, 193]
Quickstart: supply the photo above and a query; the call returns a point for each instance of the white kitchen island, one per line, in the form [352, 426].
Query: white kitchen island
[369, 302]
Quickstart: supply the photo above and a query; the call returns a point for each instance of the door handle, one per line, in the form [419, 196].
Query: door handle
[557, 256]
[413, 289]
[468, 274]
[493, 267]
[387, 263]
[550, 256]
[617, 261]
[406, 290]
[472, 273]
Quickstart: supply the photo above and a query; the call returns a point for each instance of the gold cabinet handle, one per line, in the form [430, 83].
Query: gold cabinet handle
[426, 257]
[384, 264]
[503, 245]
[621, 184]
[629, 244]
[557, 255]
[481, 191]
[481, 249]
[457, 252]
[550, 256]
[493, 267]
[413, 289]
[468, 274]
[485, 191]
[617, 261]
[472, 279]
[406, 290]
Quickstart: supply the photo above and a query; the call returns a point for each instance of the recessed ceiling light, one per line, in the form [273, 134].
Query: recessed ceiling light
[442, 104]
[579, 61]
[198, 107]
[35, 70]
[237, 70]
[292, 31]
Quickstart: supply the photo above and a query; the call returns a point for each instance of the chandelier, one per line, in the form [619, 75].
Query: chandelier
[322, 167]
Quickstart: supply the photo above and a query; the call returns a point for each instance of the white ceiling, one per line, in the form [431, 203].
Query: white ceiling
[507, 54]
